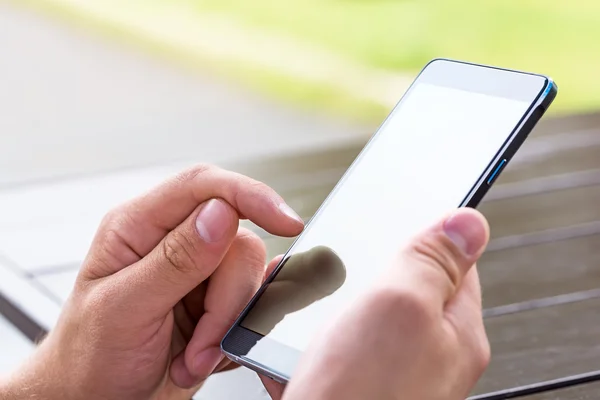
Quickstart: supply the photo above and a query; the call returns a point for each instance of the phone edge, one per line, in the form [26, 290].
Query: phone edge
[513, 143]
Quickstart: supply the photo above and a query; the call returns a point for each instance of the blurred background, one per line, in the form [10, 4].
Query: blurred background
[102, 99]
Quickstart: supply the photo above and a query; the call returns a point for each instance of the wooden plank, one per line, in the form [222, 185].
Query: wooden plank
[542, 344]
[544, 236]
[542, 211]
[571, 384]
[545, 270]
[587, 391]
[529, 164]
[566, 123]
[545, 184]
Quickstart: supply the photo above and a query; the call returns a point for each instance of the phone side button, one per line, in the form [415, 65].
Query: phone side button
[496, 171]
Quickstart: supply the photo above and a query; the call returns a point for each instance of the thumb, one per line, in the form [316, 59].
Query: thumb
[436, 261]
[186, 257]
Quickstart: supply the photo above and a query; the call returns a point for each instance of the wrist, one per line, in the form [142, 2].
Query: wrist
[34, 379]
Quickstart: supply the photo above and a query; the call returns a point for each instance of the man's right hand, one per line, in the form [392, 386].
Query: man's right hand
[418, 334]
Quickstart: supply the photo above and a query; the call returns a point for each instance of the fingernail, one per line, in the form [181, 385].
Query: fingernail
[467, 230]
[206, 361]
[213, 221]
[287, 210]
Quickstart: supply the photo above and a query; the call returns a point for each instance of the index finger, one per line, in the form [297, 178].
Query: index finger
[144, 221]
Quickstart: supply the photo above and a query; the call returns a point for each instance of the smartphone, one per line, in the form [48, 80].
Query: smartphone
[441, 147]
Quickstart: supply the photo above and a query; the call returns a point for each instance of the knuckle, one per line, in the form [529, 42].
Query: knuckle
[114, 223]
[177, 250]
[109, 242]
[437, 254]
[250, 189]
[249, 241]
[195, 171]
[113, 219]
[483, 354]
[251, 248]
[258, 185]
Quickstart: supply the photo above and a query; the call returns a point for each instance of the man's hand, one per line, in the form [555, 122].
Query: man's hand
[418, 334]
[165, 277]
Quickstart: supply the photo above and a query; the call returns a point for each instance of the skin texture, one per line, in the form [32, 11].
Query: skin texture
[168, 273]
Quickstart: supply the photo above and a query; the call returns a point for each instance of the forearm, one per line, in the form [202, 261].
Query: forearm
[37, 379]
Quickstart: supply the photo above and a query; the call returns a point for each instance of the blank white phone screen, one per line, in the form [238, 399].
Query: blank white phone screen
[421, 164]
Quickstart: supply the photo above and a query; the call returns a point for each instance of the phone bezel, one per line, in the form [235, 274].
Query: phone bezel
[239, 340]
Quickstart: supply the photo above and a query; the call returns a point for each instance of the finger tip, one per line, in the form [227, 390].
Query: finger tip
[291, 214]
[274, 262]
[272, 265]
[469, 229]
[180, 374]
[297, 227]
[472, 217]
[285, 229]
[203, 363]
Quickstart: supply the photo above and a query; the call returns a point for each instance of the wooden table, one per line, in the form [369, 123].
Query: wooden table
[541, 274]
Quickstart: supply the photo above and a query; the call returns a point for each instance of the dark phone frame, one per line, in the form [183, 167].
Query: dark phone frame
[499, 82]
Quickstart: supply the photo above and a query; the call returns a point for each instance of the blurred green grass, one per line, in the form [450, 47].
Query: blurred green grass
[554, 37]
